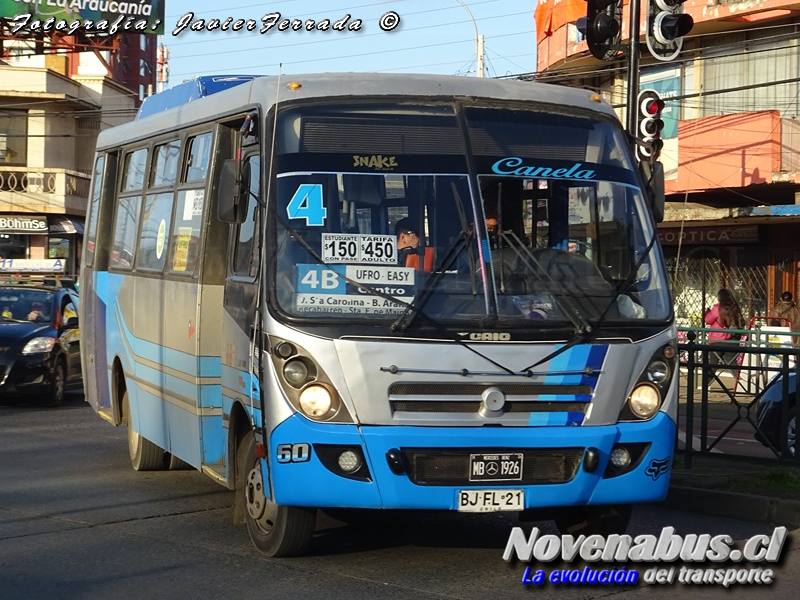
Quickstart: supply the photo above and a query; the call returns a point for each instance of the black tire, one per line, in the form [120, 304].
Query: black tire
[145, 455]
[593, 520]
[173, 463]
[58, 383]
[274, 529]
[789, 435]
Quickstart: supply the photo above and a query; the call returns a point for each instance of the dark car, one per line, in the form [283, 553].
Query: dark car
[39, 341]
[782, 435]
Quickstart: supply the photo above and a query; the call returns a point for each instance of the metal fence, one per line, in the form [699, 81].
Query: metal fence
[751, 385]
[696, 281]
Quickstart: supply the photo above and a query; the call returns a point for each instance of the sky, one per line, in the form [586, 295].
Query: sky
[432, 36]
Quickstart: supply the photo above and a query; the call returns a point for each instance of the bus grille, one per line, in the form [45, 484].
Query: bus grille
[465, 398]
[467, 389]
[474, 406]
[443, 466]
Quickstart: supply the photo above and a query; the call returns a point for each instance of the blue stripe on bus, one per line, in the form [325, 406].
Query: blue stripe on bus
[203, 366]
[597, 355]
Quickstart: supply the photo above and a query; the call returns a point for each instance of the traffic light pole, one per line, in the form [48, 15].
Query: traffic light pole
[632, 110]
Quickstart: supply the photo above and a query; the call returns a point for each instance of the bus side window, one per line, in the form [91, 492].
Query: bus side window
[165, 164]
[93, 212]
[126, 228]
[197, 158]
[245, 252]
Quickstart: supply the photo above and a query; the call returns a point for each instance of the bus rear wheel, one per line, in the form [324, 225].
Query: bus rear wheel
[145, 455]
[274, 529]
[593, 520]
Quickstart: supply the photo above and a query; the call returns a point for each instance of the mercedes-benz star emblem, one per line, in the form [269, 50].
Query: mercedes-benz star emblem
[492, 468]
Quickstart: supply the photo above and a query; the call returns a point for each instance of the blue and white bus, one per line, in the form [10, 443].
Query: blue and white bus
[249, 310]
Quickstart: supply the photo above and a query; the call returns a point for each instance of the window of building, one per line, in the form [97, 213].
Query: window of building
[13, 137]
[13, 245]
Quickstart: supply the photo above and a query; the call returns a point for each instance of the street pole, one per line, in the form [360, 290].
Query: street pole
[479, 54]
[633, 68]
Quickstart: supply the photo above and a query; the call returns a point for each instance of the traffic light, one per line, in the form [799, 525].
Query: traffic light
[666, 26]
[650, 125]
[603, 28]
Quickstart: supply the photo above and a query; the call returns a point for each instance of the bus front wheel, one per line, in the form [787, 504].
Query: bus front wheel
[274, 529]
[145, 455]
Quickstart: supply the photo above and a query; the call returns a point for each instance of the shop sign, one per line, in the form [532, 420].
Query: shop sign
[23, 224]
[741, 234]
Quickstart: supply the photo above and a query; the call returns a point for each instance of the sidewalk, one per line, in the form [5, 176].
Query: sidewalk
[740, 488]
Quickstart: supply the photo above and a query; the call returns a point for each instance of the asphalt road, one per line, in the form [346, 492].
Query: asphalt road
[76, 522]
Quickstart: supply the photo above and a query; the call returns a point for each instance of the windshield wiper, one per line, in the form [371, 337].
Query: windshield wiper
[592, 333]
[532, 264]
[415, 307]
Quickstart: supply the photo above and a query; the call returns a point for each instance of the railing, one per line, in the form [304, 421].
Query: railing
[61, 182]
[763, 395]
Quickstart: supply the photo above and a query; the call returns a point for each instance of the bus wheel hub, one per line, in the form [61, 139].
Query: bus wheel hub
[254, 491]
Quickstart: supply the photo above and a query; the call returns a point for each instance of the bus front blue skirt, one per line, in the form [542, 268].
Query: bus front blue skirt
[299, 479]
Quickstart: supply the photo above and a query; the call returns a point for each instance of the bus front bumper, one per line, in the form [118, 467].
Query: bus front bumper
[430, 467]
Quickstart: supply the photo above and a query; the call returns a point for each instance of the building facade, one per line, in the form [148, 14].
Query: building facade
[731, 141]
[52, 107]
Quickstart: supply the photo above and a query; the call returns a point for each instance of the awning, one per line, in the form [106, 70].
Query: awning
[65, 224]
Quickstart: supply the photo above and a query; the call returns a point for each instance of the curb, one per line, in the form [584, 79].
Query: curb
[735, 505]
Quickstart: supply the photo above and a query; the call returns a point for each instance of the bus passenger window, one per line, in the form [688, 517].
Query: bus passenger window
[126, 226]
[186, 231]
[197, 158]
[92, 214]
[156, 221]
[165, 164]
[135, 163]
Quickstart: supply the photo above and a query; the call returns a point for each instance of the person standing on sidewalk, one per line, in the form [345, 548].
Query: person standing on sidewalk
[786, 310]
[724, 315]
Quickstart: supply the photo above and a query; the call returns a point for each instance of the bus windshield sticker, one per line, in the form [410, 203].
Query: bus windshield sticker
[182, 249]
[359, 248]
[193, 204]
[162, 236]
[322, 288]
[307, 204]
[350, 304]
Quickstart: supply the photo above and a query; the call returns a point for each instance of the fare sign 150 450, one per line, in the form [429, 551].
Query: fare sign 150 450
[359, 248]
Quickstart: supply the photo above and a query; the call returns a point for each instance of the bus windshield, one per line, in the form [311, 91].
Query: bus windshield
[498, 216]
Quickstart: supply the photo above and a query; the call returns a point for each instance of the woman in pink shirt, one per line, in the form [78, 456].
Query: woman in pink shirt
[724, 315]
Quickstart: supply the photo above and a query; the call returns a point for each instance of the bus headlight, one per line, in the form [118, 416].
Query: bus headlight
[658, 371]
[644, 400]
[296, 372]
[317, 402]
[307, 387]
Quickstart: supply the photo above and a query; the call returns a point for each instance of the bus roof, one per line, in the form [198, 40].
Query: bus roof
[264, 91]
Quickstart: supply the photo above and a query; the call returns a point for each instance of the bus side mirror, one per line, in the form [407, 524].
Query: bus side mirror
[234, 184]
[654, 176]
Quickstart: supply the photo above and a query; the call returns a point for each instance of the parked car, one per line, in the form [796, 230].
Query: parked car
[39, 341]
[768, 414]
